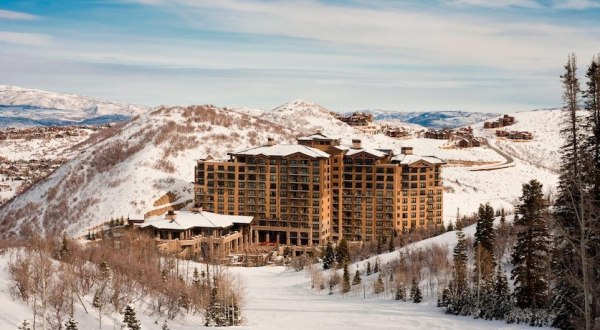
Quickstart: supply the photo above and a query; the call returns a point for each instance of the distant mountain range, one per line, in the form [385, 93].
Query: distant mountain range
[31, 107]
[433, 119]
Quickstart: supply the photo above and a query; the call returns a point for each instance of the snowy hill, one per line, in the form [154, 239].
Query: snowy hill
[31, 107]
[545, 125]
[133, 166]
[433, 119]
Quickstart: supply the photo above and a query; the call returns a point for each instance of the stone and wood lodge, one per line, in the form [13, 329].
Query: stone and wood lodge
[197, 232]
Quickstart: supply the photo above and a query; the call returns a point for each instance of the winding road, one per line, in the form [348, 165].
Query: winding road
[508, 163]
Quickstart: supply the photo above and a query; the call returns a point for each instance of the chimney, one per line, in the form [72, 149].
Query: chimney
[196, 209]
[171, 215]
[270, 141]
[356, 144]
[406, 150]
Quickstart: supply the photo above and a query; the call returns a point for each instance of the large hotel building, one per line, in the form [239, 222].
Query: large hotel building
[318, 190]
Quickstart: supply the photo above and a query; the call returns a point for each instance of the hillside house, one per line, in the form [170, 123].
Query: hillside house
[439, 134]
[515, 135]
[396, 132]
[467, 142]
[357, 119]
[198, 232]
[506, 120]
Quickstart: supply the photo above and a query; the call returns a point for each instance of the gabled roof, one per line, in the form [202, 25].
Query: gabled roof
[315, 136]
[186, 220]
[355, 151]
[283, 150]
[411, 159]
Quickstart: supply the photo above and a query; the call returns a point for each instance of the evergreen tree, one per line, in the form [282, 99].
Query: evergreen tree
[71, 324]
[379, 248]
[165, 326]
[572, 299]
[214, 314]
[25, 325]
[342, 252]
[531, 252]
[400, 293]
[356, 280]
[376, 268]
[378, 287]
[450, 226]
[104, 271]
[391, 246]
[328, 257]
[591, 98]
[130, 320]
[368, 268]
[415, 292]
[96, 302]
[485, 262]
[460, 262]
[502, 304]
[346, 280]
[64, 248]
[502, 216]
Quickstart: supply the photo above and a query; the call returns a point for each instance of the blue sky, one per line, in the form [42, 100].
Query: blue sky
[474, 55]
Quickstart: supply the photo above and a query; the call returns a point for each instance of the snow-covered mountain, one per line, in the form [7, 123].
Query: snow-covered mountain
[433, 119]
[31, 107]
[133, 165]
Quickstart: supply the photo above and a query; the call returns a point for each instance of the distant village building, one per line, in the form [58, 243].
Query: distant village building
[356, 119]
[515, 135]
[439, 134]
[396, 132]
[506, 120]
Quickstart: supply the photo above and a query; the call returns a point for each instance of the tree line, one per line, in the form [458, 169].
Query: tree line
[112, 275]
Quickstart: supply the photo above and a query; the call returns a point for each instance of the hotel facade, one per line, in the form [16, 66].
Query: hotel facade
[319, 190]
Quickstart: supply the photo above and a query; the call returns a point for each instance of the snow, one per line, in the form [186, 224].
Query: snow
[132, 185]
[16, 149]
[543, 150]
[283, 150]
[32, 107]
[278, 298]
[185, 220]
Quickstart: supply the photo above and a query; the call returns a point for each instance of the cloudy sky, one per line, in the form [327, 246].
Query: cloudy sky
[474, 55]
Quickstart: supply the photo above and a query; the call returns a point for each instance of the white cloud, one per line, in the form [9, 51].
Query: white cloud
[495, 3]
[576, 4]
[29, 39]
[15, 15]
[405, 35]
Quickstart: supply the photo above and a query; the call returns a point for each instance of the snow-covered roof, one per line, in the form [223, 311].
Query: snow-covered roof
[411, 159]
[316, 136]
[186, 220]
[283, 150]
[353, 151]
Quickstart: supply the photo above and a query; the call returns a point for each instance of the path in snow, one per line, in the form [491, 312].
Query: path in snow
[508, 163]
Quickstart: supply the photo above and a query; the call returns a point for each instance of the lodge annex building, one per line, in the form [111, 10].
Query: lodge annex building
[318, 190]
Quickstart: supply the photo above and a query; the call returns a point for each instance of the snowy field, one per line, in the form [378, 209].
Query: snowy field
[280, 298]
